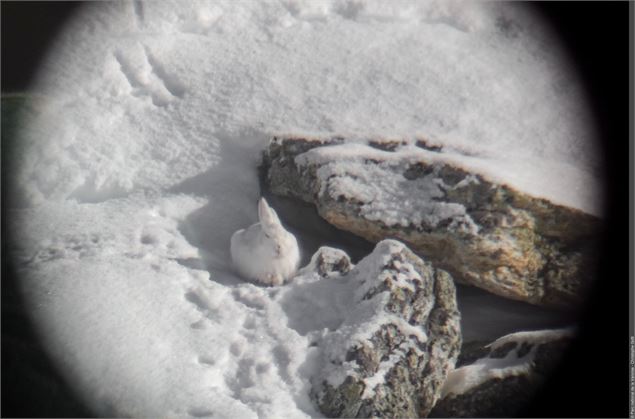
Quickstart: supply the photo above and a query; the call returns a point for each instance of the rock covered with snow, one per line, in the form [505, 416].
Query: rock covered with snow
[328, 261]
[398, 338]
[451, 209]
[499, 379]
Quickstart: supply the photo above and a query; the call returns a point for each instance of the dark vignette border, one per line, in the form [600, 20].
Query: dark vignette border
[593, 379]
[31, 384]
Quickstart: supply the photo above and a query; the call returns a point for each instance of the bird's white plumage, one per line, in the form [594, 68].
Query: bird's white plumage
[265, 251]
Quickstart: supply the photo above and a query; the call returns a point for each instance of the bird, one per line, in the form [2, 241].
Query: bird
[265, 252]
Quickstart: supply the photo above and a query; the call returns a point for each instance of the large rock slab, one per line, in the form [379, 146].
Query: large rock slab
[397, 340]
[484, 233]
[500, 379]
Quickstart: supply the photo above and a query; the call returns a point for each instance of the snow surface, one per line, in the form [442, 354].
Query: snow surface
[140, 162]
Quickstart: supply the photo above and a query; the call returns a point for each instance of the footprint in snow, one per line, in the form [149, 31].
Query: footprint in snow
[200, 413]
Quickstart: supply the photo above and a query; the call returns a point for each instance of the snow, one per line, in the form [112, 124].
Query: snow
[140, 159]
[380, 376]
[535, 337]
[463, 379]
[392, 200]
[350, 158]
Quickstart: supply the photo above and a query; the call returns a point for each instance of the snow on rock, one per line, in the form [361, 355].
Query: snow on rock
[393, 333]
[498, 379]
[327, 261]
[138, 161]
[484, 232]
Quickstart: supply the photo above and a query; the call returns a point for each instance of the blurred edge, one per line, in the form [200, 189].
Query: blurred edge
[593, 379]
[31, 385]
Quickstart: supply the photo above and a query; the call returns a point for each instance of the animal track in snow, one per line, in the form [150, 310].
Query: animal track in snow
[147, 76]
[236, 349]
[243, 377]
[282, 361]
[256, 302]
[200, 413]
[198, 325]
[194, 298]
[139, 14]
[70, 247]
[171, 82]
[206, 360]
[209, 313]
[250, 323]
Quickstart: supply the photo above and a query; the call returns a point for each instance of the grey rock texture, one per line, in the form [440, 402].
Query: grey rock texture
[400, 336]
[483, 233]
[496, 398]
[328, 261]
[524, 360]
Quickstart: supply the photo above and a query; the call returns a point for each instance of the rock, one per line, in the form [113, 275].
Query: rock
[328, 261]
[483, 233]
[399, 337]
[500, 379]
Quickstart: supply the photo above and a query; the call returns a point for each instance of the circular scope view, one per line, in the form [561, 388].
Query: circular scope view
[288, 209]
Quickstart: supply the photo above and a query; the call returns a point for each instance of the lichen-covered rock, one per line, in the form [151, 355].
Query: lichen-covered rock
[328, 261]
[399, 337]
[500, 379]
[484, 233]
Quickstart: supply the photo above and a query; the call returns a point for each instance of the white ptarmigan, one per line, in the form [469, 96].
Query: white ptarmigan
[265, 252]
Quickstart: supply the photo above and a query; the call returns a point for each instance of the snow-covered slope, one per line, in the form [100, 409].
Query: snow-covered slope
[153, 87]
[140, 162]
